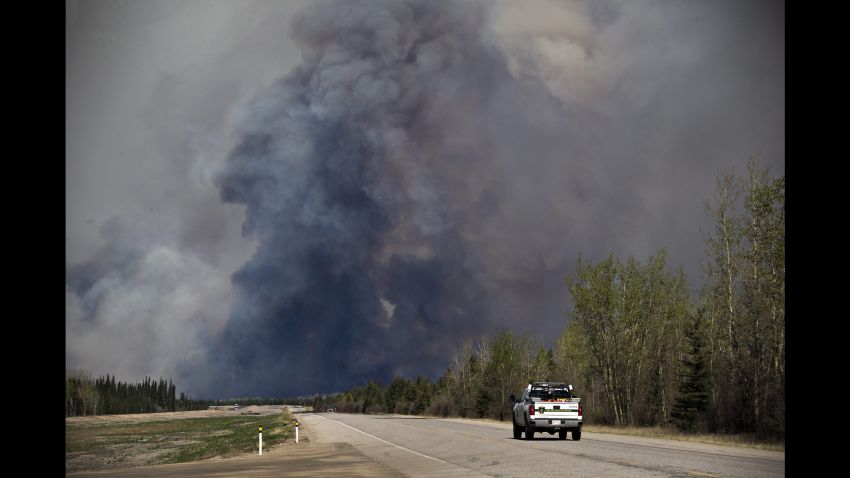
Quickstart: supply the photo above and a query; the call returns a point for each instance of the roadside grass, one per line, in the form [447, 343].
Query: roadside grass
[125, 444]
[744, 440]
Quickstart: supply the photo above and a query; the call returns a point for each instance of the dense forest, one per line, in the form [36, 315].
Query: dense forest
[105, 395]
[640, 347]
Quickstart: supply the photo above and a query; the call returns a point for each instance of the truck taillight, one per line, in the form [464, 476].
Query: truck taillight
[580, 410]
[531, 409]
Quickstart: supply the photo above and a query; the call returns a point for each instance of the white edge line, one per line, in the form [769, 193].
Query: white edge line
[388, 443]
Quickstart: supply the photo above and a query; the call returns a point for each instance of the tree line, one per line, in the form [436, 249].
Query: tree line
[640, 347]
[85, 395]
[106, 395]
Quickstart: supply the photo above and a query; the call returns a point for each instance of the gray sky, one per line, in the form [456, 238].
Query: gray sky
[494, 142]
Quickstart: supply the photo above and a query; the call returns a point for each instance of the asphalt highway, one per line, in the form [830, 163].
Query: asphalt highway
[417, 446]
[336, 444]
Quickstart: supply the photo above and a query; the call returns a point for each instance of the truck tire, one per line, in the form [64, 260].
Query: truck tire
[517, 430]
[576, 434]
[562, 434]
[529, 430]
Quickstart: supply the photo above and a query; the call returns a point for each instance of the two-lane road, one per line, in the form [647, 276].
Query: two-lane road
[334, 444]
[418, 446]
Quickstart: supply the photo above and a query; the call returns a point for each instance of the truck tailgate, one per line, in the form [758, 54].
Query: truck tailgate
[556, 410]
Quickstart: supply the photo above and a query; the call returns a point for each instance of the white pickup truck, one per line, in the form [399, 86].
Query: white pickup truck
[549, 407]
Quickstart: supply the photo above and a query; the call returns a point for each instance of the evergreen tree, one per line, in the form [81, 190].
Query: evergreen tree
[482, 402]
[689, 409]
[395, 394]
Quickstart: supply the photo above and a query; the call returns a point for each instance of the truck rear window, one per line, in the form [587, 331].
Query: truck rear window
[550, 394]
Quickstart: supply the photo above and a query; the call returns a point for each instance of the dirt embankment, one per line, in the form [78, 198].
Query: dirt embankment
[305, 459]
[121, 441]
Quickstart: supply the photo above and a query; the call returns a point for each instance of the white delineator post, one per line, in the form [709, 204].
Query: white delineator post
[296, 431]
[261, 440]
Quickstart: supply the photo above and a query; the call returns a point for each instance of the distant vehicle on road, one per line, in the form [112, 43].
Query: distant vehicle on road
[547, 407]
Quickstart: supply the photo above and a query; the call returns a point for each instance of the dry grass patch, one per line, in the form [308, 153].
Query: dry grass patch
[109, 445]
[744, 440]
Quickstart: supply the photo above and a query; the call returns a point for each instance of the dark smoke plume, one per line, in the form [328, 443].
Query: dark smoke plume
[409, 190]
[367, 175]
